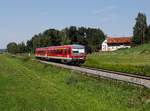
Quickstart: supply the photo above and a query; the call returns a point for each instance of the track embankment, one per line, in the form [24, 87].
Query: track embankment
[139, 80]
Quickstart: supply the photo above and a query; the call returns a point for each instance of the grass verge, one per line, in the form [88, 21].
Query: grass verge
[26, 85]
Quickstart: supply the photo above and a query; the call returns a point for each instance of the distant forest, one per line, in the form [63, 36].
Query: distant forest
[91, 38]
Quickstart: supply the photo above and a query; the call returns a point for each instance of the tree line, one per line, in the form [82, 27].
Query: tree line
[91, 38]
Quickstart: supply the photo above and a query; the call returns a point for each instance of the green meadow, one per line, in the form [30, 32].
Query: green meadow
[134, 60]
[27, 85]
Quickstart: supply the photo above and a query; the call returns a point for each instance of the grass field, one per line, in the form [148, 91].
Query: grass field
[134, 60]
[26, 85]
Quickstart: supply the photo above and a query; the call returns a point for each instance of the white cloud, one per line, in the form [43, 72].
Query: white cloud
[104, 10]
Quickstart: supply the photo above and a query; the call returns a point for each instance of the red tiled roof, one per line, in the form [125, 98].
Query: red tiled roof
[111, 40]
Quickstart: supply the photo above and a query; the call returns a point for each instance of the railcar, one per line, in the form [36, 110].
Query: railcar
[74, 54]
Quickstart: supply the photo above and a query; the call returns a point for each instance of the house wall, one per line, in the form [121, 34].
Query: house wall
[106, 47]
[113, 48]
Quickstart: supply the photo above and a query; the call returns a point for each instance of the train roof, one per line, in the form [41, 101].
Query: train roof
[63, 46]
[75, 46]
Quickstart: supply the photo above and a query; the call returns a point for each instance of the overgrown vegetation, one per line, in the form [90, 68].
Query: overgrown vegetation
[135, 60]
[31, 86]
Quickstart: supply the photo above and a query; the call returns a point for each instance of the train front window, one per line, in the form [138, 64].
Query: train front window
[78, 51]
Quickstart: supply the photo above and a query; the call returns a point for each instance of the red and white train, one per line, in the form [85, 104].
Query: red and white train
[67, 53]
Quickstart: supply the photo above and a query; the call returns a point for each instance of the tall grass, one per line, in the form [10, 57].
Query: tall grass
[31, 86]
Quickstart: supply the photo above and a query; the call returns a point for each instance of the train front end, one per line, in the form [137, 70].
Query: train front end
[78, 54]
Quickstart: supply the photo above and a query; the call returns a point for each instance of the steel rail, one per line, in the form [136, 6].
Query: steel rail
[120, 73]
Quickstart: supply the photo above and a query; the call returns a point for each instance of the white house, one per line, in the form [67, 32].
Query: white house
[113, 43]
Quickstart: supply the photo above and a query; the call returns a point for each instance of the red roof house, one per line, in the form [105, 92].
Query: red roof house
[114, 43]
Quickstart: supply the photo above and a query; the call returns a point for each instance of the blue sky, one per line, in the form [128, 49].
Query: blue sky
[21, 19]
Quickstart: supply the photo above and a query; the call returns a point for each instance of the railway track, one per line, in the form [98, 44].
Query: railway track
[120, 73]
[135, 79]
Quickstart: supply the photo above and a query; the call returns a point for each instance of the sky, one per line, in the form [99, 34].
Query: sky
[21, 19]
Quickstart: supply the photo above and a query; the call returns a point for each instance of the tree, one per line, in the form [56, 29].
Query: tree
[82, 36]
[139, 30]
[94, 38]
[12, 48]
[148, 34]
[21, 47]
[73, 34]
[36, 41]
[64, 38]
[29, 46]
[55, 37]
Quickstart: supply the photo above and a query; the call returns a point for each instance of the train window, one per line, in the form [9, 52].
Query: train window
[50, 52]
[54, 51]
[41, 52]
[59, 51]
[65, 51]
[75, 51]
[78, 51]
